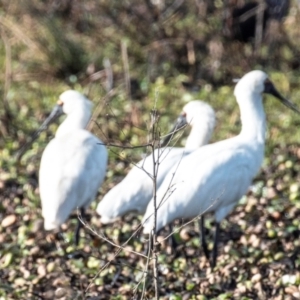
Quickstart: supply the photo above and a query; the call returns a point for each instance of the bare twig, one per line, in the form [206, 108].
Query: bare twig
[18, 31]
[8, 69]
[109, 74]
[171, 9]
[152, 243]
[123, 146]
[154, 120]
[190, 221]
[126, 68]
[99, 108]
[4, 128]
[250, 13]
[146, 268]
[259, 25]
[120, 248]
[191, 52]
[154, 142]
[102, 236]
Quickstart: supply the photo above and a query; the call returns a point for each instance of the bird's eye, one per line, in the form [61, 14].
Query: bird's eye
[268, 86]
[267, 81]
[59, 102]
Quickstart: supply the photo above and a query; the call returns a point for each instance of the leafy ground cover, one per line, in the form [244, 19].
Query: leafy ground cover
[258, 253]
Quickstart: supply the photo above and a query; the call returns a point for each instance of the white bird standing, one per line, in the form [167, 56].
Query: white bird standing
[136, 189]
[214, 177]
[73, 164]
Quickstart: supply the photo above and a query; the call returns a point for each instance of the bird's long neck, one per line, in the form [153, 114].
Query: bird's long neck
[75, 120]
[199, 135]
[253, 118]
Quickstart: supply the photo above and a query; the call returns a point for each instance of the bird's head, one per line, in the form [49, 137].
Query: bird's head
[256, 83]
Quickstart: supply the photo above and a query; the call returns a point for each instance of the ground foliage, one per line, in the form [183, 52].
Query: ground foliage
[160, 57]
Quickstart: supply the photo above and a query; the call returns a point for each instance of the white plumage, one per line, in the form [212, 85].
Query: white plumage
[214, 177]
[136, 189]
[73, 164]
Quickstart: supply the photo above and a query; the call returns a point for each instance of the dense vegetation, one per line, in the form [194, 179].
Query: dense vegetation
[129, 56]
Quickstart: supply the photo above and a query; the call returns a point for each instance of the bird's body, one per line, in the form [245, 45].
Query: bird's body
[136, 189]
[214, 177]
[211, 178]
[73, 164]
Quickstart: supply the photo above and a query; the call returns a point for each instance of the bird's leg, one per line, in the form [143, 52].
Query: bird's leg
[215, 249]
[171, 240]
[202, 237]
[149, 245]
[79, 225]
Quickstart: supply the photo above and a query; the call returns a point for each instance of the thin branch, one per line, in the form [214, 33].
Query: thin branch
[152, 255]
[123, 146]
[146, 268]
[109, 75]
[120, 247]
[8, 68]
[7, 83]
[190, 221]
[154, 234]
[126, 68]
[18, 31]
[259, 25]
[171, 9]
[99, 108]
[168, 191]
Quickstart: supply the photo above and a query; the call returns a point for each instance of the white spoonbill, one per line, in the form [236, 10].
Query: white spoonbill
[136, 189]
[213, 178]
[73, 164]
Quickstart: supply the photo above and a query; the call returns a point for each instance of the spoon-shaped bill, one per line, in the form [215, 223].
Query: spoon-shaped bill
[55, 113]
[270, 89]
[180, 123]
